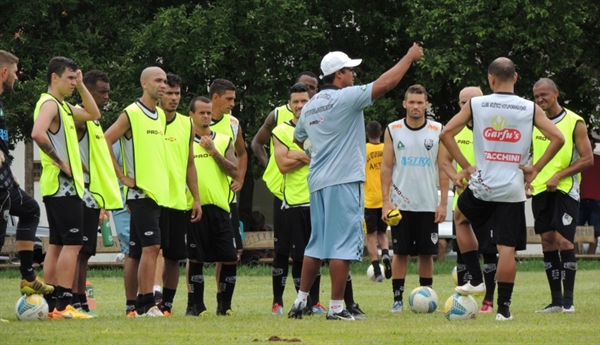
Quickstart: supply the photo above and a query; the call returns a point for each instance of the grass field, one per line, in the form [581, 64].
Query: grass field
[253, 322]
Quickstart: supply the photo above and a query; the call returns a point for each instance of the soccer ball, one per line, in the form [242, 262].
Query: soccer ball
[371, 271]
[32, 307]
[459, 307]
[423, 300]
[455, 276]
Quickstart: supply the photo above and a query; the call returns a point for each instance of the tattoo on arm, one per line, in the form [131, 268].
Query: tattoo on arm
[49, 150]
[227, 166]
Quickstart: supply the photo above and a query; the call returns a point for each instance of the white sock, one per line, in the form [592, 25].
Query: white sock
[157, 288]
[336, 305]
[302, 298]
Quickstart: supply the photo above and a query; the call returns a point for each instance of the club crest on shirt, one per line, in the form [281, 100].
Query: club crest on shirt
[567, 219]
[428, 144]
[434, 238]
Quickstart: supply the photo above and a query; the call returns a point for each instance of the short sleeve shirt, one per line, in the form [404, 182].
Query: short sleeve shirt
[334, 122]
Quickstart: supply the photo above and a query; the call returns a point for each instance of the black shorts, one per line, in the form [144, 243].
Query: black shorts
[235, 224]
[4, 207]
[555, 211]
[212, 238]
[179, 221]
[507, 219]
[373, 221]
[65, 220]
[282, 235]
[149, 225]
[298, 222]
[90, 230]
[416, 234]
[484, 238]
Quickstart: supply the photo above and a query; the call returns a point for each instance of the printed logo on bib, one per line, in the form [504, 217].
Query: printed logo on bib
[428, 144]
[499, 131]
[566, 219]
[400, 146]
[502, 157]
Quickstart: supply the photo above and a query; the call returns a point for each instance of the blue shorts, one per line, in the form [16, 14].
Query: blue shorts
[122, 220]
[336, 216]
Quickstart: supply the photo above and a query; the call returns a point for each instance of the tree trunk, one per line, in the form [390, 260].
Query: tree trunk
[29, 167]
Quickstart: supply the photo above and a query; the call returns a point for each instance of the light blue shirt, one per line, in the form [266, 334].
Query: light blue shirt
[334, 122]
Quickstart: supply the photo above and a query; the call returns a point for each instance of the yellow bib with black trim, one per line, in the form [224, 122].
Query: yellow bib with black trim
[464, 140]
[49, 183]
[565, 156]
[104, 185]
[149, 153]
[213, 183]
[272, 176]
[295, 185]
[372, 183]
[177, 141]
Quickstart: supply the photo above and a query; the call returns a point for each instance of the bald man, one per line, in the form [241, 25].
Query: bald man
[502, 130]
[487, 248]
[140, 129]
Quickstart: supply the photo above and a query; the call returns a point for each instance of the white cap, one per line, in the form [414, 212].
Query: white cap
[335, 61]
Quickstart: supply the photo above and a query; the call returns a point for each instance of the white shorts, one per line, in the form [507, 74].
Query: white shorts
[336, 216]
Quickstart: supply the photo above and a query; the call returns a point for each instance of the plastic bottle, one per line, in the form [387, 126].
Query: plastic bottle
[89, 291]
[107, 238]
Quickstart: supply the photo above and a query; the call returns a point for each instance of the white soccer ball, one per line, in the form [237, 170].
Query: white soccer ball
[423, 300]
[32, 307]
[371, 271]
[459, 307]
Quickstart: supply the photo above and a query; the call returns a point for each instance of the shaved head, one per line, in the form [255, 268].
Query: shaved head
[148, 72]
[547, 82]
[503, 69]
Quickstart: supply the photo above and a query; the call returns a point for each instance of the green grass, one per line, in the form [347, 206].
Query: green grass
[252, 302]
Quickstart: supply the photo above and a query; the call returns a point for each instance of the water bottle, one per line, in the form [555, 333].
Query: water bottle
[89, 291]
[107, 238]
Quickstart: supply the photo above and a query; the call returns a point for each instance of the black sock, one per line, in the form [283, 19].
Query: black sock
[148, 301]
[219, 302]
[279, 273]
[190, 298]
[385, 252]
[398, 288]
[168, 297]
[75, 303]
[63, 297]
[426, 281]
[490, 263]
[139, 304]
[51, 300]
[84, 302]
[196, 281]
[227, 283]
[568, 270]
[376, 268]
[296, 273]
[26, 268]
[315, 294]
[462, 275]
[504, 297]
[130, 306]
[472, 262]
[552, 267]
[348, 293]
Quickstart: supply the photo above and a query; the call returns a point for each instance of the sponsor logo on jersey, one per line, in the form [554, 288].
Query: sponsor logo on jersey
[433, 127]
[498, 122]
[396, 126]
[400, 145]
[511, 135]
[316, 122]
[502, 157]
[171, 139]
[154, 132]
[541, 138]
[416, 161]
[428, 144]
[464, 142]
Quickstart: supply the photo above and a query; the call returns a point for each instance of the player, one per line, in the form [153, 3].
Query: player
[555, 201]
[409, 179]
[502, 127]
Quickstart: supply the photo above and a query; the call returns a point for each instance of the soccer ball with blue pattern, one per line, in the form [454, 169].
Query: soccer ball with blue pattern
[423, 300]
[459, 307]
[32, 307]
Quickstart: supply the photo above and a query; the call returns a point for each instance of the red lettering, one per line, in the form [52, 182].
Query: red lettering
[510, 135]
[502, 157]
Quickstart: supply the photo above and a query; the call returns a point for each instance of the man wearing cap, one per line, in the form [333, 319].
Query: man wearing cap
[333, 120]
